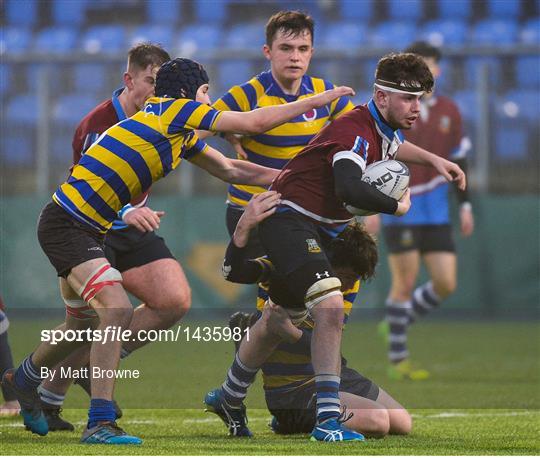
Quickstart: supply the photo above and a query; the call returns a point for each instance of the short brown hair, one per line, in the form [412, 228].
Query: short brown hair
[291, 22]
[405, 69]
[142, 55]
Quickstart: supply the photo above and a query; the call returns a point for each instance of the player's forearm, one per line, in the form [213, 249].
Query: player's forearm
[243, 172]
[462, 195]
[409, 152]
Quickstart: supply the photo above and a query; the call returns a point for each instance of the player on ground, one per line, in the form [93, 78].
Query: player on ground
[425, 233]
[314, 187]
[149, 270]
[288, 48]
[287, 374]
[11, 406]
[121, 165]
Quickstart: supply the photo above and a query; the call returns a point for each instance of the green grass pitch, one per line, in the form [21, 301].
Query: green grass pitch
[483, 397]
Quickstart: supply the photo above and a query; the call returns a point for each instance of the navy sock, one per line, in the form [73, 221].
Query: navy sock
[6, 362]
[397, 316]
[27, 375]
[100, 410]
[424, 300]
[328, 403]
[239, 379]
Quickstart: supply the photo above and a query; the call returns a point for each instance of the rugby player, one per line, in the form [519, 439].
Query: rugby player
[314, 187]
[119, 166]
[424, 234]
[288, 376]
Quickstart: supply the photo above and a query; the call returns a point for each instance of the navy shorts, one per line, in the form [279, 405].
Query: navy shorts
[424, 238]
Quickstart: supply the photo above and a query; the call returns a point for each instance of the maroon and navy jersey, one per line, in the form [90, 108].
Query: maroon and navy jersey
[105, 115]
[438, 130]
[306, 183]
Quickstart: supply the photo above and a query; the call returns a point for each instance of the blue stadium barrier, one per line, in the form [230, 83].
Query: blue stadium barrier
[521, 103]
[211, 11]
[161, 12]
[231, 73]
[361, 10]
[104, 39]
[504, 8]
[496, 32]
[162, 34]
[455, 9]
[411, 10]
[387, 34]
[69, 109]
[56, 40]
[21, 12]
[15, 40]
[247, 36]
[528, 72]
[511, 141]
[89, 77]
[444, 32]
[530, 32]
[69, 12]
[198, 37]
[343, 35]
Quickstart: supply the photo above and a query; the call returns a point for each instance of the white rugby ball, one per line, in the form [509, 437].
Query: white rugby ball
[390, 177]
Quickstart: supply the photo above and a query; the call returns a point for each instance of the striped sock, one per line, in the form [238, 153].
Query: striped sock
[49, 398]
[397, 316]
[124, 353]
[423, 301]
[100, 410]
[27, 375]
[239, 379]
[328, 404]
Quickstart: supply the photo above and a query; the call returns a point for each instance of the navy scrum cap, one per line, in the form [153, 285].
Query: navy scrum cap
[180, 78]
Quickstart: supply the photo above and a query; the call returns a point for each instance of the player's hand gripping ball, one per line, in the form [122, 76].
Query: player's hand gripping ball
[390, 177]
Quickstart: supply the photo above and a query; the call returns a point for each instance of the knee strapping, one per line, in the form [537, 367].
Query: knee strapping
[322, 290]
[104, 275]
[79, 309]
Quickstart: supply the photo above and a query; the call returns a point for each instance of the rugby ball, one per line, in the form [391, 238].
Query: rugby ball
[390, 177]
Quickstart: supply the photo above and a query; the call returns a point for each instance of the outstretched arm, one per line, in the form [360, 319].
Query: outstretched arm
[264, 119]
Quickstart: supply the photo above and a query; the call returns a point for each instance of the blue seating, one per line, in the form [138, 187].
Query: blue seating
[211, 11]
[69, 12]
[494, 32]
[61, 149]
[346, 36]
[246, 36]
[21, 12]
[511, 141]
[14, 40]
[89, 77]
[519, 103]
[35, 74]
[472, 66]
[164, 12]
[154, 33]
[504, 8]
[455, 9]
[55, 40]
[387, 34]
[530, 32]
[444, 32]
[194, 38]
[356, 10]
[104, 39]
[17, 147]
[467, 101]
[232, 73]
[528, 72]
[69, 109]
[6, 73]
[411, 10]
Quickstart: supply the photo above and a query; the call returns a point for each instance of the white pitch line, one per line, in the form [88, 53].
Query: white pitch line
[465, 414]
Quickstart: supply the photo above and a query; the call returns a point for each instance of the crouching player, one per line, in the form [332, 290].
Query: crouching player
[288, 375]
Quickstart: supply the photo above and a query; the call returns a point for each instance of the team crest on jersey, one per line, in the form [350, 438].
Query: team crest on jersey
[444, 124]
[310, 115]
[313, 246]
[406, 238]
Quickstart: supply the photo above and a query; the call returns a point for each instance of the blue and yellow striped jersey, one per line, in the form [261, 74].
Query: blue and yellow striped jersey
[289, 366]
[276, 147]
[131, 155]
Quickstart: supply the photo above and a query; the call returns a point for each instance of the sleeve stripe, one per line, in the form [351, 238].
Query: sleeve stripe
[251, 95]
[231, 102]
[351, 156]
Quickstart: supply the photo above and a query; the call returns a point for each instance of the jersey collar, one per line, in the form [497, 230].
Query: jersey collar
[117, 106]
[273, 88]
[382, 127]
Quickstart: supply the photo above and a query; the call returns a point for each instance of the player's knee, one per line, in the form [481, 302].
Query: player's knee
[445, 287]
[173, 306]
[400, 422]
[376, 422]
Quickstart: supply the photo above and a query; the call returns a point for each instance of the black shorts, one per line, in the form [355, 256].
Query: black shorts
[296, 410]
[424, 238]
[128, 248]
[67, 242]
[253, 247]
[295, 247]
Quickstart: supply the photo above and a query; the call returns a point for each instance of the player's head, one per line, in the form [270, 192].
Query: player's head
[401, 79]
[353, 255]
[431, 55]
[289, 44]
[182, 79]
[143, 61]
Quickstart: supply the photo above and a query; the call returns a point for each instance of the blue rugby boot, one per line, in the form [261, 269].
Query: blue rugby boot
[30, 402]
[108, 433]
[333, 431]
[234, 418]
